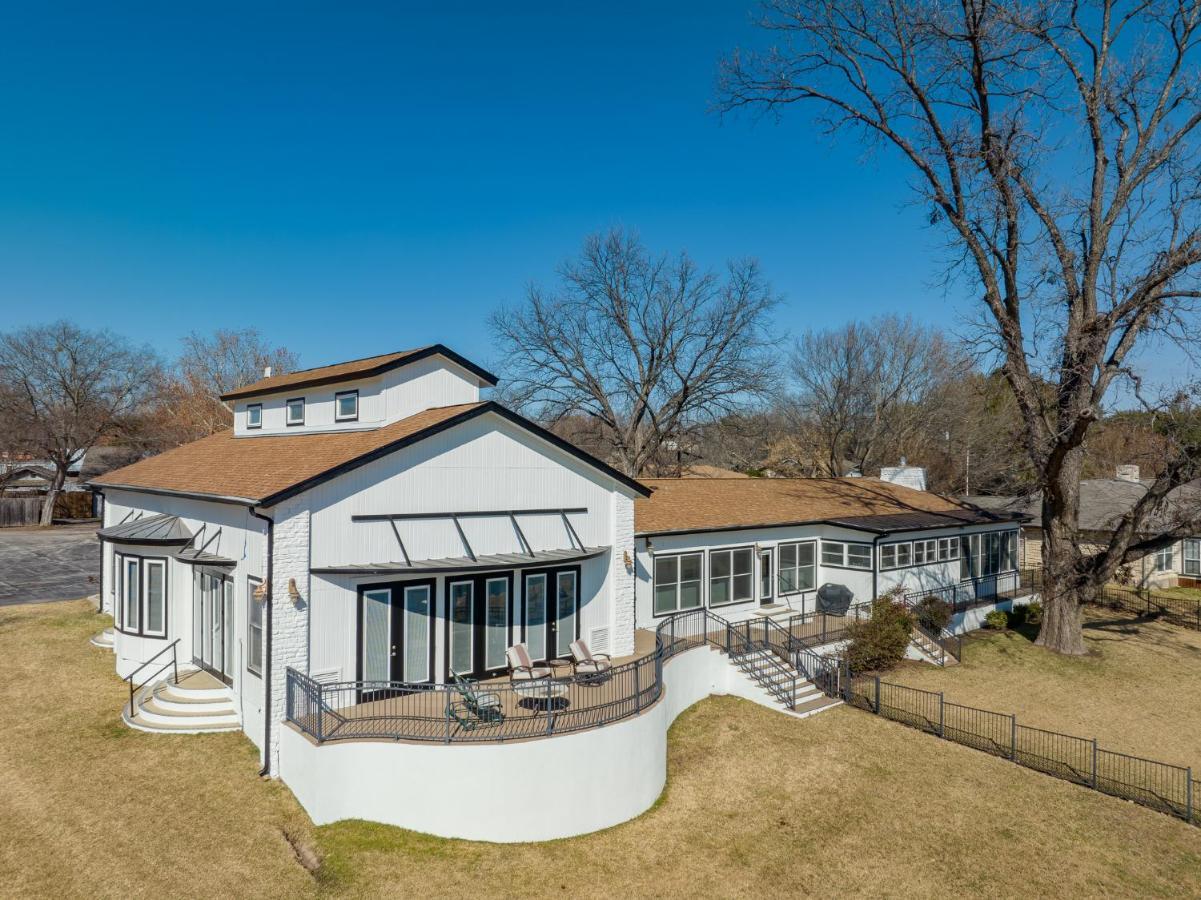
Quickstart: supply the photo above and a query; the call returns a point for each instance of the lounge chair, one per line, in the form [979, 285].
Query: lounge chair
[592, 666]
[521, 667]
[474, 708]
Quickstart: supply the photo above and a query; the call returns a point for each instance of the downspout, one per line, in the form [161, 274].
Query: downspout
[876, 565]
[267, 602]
[103, 550]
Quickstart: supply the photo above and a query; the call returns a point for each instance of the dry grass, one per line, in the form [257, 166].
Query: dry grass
[1135, 691]
[758, 805]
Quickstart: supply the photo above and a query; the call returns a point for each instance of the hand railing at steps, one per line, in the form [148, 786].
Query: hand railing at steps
[765, 668]
[822, 670]
[173, 662]
[947, 643]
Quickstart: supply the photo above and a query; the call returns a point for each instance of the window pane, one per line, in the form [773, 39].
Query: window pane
[888, 557]
[132, 612]
[377, 636]
[903, 554]
[460, 627]
[254, 630]
[719, 564]
[806, 577]
[690, 567]
[254, 415]
[666, 573]
[787, 556]
[565, 628]
[742, 561]
[859, 556]
[535, 616]
[417, 613]
[743, 585]
[497, 623]
[719, 591]
[787, 580]
[805, 554]
[154, 597]
[295, 410]
[690, 594]
[348, 406]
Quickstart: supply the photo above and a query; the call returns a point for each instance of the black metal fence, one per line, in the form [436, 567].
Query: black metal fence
[1183, 611]
[1160, 786]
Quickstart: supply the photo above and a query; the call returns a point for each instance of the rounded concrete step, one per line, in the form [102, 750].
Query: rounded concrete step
[167, 707]
[174, 698]
[104, 639]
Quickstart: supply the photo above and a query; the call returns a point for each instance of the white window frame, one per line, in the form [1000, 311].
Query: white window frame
[338, 416]
[734, 574]
[141, 603]
[251, 421]
[925, 551]
[797, 568]
[948, 548]
[254, 628]
[1165, 559]
[1191, 553]
[896, 555]
[288, 411]
[841, 555]
[144, 579]
[679, 581]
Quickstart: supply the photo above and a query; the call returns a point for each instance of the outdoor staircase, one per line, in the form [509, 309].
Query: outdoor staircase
[776, 678]
[197, 704]
[104, 639]
[930, 650]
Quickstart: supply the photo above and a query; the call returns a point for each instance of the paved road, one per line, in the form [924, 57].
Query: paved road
[39, 564]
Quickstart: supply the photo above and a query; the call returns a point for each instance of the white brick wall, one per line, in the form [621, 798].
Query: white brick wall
[289, 618]
[623, 575]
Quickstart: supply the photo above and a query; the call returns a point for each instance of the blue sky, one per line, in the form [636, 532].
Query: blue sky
[357, 179]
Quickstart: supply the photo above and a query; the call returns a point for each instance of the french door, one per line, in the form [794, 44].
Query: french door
[766, 594]
[395, 636]
[551, 612]
[477, 624]
[213, 625]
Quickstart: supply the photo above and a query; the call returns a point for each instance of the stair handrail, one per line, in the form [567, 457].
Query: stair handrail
[945, 638]
[133, 689]
[767, 662]
[815, 666]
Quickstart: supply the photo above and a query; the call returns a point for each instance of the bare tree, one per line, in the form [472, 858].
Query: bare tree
[1054, 144]
[63, 389]
[647, 347]
[864, 390]
[209, 366]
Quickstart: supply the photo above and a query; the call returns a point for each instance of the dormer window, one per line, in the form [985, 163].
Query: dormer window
[346, 405]
[254, 415]
[296, 411]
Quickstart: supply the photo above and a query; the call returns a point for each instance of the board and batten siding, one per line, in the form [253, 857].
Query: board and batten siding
[484, 464]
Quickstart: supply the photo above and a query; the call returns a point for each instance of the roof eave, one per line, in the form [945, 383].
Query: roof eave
[168, 492]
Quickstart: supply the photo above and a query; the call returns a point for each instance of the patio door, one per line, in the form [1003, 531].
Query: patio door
[551, 612]
[477, 624]
[213, 625]
[395, 637]
[766, 594]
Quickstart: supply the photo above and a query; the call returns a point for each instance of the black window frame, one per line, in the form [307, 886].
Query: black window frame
[338, 417]
[119, 621]
[708, 579]
[250, 426]
[700, 581]
[288, 411]
[812, 542]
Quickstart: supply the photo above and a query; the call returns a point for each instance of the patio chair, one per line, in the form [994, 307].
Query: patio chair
[474, 708]
[521, 667]
[592, 666]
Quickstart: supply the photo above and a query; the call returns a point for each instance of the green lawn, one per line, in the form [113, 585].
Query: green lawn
[1135, 691]
[758, 805]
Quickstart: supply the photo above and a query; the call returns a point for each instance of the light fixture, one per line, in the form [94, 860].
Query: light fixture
[625, 555]
[293, 592]
[260, 592]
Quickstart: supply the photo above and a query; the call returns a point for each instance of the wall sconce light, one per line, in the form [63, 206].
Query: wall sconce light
[292, 590]
[625, 555]
[260, 593]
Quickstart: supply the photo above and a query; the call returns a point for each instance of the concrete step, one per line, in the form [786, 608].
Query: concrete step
[104, 639]
[168, 707]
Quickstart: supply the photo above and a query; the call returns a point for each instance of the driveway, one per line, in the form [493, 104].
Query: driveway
[38, 564]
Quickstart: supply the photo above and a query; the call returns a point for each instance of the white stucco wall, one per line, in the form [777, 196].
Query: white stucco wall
[532, 790]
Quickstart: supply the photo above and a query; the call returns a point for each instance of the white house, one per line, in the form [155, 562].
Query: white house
[342, 574]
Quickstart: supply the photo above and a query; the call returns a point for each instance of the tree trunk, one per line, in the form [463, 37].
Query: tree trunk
[1065, 585]
[56, 488]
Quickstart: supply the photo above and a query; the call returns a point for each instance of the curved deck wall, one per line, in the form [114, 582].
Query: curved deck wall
[532, 790]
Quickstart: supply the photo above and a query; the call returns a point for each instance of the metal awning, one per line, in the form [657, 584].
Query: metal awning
[477, 563]
[201, 558]
[160, 529]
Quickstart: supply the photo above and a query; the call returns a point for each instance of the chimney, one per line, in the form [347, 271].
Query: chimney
[267, 373]
[1127, 473]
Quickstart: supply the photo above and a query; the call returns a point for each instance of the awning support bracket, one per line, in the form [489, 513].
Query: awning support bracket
[403, 551]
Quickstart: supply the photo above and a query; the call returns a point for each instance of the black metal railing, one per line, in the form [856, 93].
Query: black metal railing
[1161, 786]
[977, 591]
[135, 685]
[751, 650]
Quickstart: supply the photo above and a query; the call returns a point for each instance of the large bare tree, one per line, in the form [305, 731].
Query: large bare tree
[64, 389]
[209, 366]
[864, 390]
[1054, 144]
[645, 346]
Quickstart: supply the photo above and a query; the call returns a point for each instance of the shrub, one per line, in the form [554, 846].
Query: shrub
[998, 619]
[1124, 575]
[933, 614]
[1034, 613]
[880, 642]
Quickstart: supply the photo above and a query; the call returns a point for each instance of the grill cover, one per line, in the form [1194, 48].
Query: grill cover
[834, 599]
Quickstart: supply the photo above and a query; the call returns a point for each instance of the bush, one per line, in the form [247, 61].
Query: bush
[880, 642]
[933, 614]
[1034, 613]
[998, 619]
[1124, 575]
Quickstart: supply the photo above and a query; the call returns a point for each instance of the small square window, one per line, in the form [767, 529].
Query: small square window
[347, 406]
[296, 411]
[254, 415]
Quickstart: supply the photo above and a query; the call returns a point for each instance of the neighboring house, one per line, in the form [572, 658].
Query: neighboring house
[24, 483]
[369, 532]
[1103, 503]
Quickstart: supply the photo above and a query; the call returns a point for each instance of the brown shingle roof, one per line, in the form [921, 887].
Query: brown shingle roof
[709, 504]
[355, 368]
[257, 468]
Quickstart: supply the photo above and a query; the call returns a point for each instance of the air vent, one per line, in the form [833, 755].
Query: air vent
[598, 639]
[326, 676]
